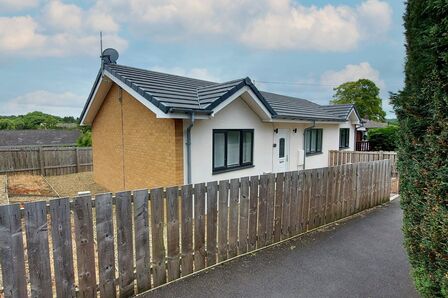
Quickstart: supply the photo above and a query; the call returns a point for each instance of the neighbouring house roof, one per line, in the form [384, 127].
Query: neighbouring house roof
[38, 137]
[172, 93]
[373, 124]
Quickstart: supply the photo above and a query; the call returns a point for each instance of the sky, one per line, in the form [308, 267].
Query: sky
[49, 50]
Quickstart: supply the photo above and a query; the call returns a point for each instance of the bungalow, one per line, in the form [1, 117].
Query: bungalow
[151, 129]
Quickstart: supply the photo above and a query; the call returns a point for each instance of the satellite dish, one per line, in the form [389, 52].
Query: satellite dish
[109, 55]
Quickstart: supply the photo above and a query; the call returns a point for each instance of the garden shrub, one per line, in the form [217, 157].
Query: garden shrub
[383, 139]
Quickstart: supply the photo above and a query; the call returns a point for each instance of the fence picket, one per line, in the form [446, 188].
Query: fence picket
[294, 201]
[105, 238]
[158, 246]
[212, 220]
[244, 215]
[125, 244]
[187, 230]
[172, 197]
[11, 252]
[270, 209]
[253, 213]
[85, 246]
[199, 226]
[262, 203]
[278, 207]
[141, 236]
[286, 205]
[233, 217]
[62, 247]
[223, 219]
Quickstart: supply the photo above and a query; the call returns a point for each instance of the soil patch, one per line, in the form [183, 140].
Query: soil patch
[29, 185]
[70, 185]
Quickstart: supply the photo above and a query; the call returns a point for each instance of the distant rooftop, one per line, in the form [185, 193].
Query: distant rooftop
[38, 137]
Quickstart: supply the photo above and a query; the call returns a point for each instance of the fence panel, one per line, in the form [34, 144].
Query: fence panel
[242, 215]
[47, 161]
[337, 158]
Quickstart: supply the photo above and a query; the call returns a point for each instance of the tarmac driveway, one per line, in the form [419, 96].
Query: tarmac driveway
[361, 257]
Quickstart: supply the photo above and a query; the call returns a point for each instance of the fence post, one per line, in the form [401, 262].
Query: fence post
[41, 161]
[381, 155]
[77, 159]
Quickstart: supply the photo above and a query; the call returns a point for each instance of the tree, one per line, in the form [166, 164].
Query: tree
[85, 139]
[422, 111]
[364, 94]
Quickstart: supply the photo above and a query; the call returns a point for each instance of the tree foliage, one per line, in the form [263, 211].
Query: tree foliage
[34, 120]
[364, 94]
[422, 111]
[383, 139]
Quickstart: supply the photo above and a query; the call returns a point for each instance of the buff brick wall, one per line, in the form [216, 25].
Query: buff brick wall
[149, 152]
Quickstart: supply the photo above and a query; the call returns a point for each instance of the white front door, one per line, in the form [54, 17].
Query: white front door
[281, 150]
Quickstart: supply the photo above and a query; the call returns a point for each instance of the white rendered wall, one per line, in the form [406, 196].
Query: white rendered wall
[237, 115]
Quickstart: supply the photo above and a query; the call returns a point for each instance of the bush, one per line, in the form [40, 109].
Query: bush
[85, 139]
[422, 112]
[383, 139]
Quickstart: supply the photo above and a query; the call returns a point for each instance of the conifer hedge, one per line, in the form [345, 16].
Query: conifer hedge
[422, 110]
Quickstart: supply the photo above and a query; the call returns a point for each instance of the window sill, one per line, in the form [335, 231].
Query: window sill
[314, 153]
[232, 169]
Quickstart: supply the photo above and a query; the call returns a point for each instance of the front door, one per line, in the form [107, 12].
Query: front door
[281, 150]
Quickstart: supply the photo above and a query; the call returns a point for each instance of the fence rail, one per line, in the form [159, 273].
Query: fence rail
[47, 161]
[134, 241]
[337, 157]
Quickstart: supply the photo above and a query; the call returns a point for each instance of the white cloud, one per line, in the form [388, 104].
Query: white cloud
[62, 104]
[61, 30]
[23, 35]
[16, 5]
[375, 17]
[265, 24]
[352, 72]
[329, 28]
[197, 73]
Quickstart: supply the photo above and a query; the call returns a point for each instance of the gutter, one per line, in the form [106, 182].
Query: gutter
[304, 142]
[188, 144]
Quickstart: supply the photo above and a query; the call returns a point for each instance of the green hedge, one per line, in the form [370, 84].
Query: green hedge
[422, 112]
[383, 139]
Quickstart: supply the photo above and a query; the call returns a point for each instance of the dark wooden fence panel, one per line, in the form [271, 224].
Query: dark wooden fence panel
[164, 234]
[47, 161]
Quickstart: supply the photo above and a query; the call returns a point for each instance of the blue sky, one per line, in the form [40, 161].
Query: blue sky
[49, 49]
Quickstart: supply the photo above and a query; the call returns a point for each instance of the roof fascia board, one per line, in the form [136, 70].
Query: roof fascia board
[92, 95]
[266, 115]
[87, 114]
[156, 110]
[277, 120]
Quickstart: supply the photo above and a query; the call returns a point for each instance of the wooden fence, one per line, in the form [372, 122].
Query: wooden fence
[134, 241]
[337, 157]
[47, 161]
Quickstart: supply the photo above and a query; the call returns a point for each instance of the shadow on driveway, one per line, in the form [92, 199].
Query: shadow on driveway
[361, 257]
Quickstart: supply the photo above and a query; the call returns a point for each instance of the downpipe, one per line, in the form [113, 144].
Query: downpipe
[188, 144]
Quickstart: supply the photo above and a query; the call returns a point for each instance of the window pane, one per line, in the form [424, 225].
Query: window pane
[247, 147]
[233, 148]
[219, 149]
[313, 140]
[281, 149]
[308, 141]
[319, 140]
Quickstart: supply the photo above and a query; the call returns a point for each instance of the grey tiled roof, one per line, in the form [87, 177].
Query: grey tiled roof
[341, 111]
[176, 93]
[38, 137]
[288, 107]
